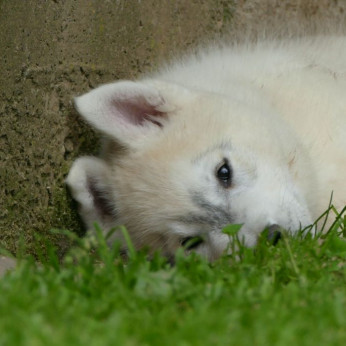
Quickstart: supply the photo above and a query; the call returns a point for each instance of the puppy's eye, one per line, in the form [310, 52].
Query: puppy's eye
[224, 174]
[191, 243]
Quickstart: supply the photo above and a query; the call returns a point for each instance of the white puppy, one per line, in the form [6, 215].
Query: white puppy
[252, 134]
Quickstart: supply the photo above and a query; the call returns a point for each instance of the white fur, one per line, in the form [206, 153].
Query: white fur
[276, 111]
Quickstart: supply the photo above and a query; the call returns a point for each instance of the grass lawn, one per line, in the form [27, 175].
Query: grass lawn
[293, 293]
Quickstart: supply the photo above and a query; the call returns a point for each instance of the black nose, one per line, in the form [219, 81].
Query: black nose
[274, 233]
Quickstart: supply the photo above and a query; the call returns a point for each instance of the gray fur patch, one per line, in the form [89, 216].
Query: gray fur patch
[214, 215]
[101, 199]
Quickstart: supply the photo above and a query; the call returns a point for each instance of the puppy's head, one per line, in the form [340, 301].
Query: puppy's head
[190, 163]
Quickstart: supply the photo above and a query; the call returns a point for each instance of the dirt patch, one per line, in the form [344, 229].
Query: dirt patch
[6, 264]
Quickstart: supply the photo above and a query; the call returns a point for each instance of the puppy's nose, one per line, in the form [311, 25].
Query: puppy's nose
[274, 233]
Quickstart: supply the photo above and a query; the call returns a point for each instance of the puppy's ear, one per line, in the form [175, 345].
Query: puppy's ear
[89, 183]
[128, 112]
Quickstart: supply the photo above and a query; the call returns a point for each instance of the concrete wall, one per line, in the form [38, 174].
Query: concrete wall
[52, 50]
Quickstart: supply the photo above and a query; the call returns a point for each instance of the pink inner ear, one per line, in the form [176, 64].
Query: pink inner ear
[137, 111]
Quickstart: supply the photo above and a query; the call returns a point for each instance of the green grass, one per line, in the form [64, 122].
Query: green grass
[293, 293]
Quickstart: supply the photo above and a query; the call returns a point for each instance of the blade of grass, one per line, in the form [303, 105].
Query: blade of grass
[128, 241]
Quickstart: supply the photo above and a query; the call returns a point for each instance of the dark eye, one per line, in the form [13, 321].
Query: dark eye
[191, 243]
[224, 174]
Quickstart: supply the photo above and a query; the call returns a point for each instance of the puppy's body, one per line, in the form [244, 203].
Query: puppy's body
[252, 134]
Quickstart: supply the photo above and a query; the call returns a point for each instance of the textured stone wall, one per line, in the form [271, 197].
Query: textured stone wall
[52, 50]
